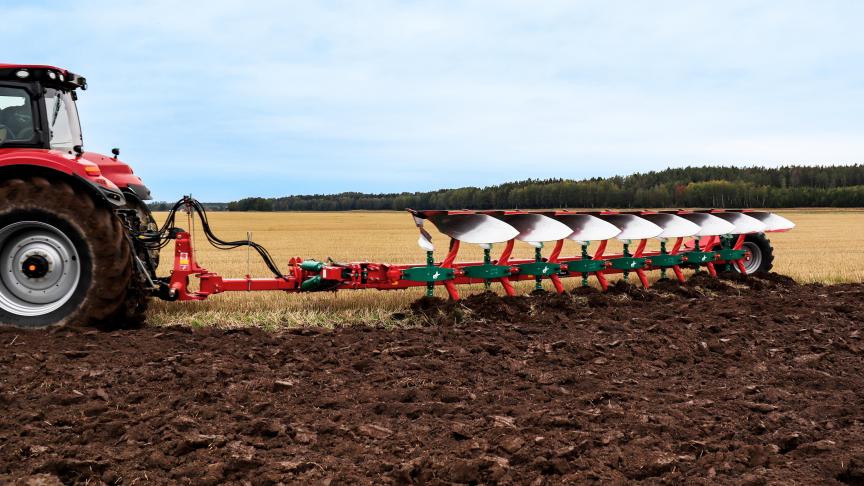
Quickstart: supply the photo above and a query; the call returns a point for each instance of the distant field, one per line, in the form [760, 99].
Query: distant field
[825, 247]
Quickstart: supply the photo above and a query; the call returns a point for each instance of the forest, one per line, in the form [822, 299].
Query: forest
[788, 186]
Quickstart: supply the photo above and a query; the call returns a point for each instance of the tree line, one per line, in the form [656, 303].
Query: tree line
[790, 186]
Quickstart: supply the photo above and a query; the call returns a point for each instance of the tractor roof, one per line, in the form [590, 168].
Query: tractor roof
[49, 75]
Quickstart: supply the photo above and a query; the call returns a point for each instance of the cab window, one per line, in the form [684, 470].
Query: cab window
[16, 115]
[62, 120]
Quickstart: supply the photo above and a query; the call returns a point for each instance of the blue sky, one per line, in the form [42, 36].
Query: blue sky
[267, 98]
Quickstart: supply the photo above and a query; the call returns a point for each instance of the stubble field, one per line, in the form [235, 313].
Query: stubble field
[825, 247]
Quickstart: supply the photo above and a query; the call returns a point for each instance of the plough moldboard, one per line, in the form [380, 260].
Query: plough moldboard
[707, 239]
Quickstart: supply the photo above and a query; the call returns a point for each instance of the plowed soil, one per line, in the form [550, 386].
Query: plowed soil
[753, 381]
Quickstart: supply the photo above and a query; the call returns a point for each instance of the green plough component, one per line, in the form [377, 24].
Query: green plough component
[700, 257]
[666, 261]
[427, 274]
[487, 271]
[586, 266]
[731, 255]
[628, 263]
[312, 283]
[312, 265]
[539, 269]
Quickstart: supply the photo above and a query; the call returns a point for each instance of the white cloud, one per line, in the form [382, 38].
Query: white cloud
[389, 95]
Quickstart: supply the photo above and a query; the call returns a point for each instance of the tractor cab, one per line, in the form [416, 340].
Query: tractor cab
[38, 114]
[37, 108]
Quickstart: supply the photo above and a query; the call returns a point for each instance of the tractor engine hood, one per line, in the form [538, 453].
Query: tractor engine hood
[120, 174]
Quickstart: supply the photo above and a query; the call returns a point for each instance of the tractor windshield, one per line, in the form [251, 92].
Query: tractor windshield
[16, 116]
[62, 120]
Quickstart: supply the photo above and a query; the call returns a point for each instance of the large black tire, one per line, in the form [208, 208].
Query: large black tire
[760, 258]
[101, 257]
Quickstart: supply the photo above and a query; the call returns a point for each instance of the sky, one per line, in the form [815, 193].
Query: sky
[231, 99]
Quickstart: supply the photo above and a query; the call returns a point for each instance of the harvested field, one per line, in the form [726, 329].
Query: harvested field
[716, 382]
[810, 253]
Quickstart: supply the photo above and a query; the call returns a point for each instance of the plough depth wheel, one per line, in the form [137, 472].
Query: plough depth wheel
[760, 254]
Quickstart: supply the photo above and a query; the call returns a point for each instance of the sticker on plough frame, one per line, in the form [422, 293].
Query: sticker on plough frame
[428, 274]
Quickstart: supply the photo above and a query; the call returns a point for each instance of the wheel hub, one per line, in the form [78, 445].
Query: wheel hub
[752, 257]
[39, 268]
[36, 266]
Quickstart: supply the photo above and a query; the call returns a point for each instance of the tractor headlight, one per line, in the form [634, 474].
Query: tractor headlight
[23, 74]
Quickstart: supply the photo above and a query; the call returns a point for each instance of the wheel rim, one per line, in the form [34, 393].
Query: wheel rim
[39, 268]
[753, 258]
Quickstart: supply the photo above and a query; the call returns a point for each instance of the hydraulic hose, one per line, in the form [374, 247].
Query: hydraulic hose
[160, 238]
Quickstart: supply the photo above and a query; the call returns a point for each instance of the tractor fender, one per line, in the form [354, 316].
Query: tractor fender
[100, 189]
[52, 159]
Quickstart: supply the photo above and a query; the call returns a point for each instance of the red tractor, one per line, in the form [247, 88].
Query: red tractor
[63, 250]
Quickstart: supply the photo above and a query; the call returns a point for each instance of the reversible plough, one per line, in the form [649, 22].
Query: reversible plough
[710, 240]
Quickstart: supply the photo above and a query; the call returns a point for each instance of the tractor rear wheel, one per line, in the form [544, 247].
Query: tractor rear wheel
[64, 259]
[760, 254]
